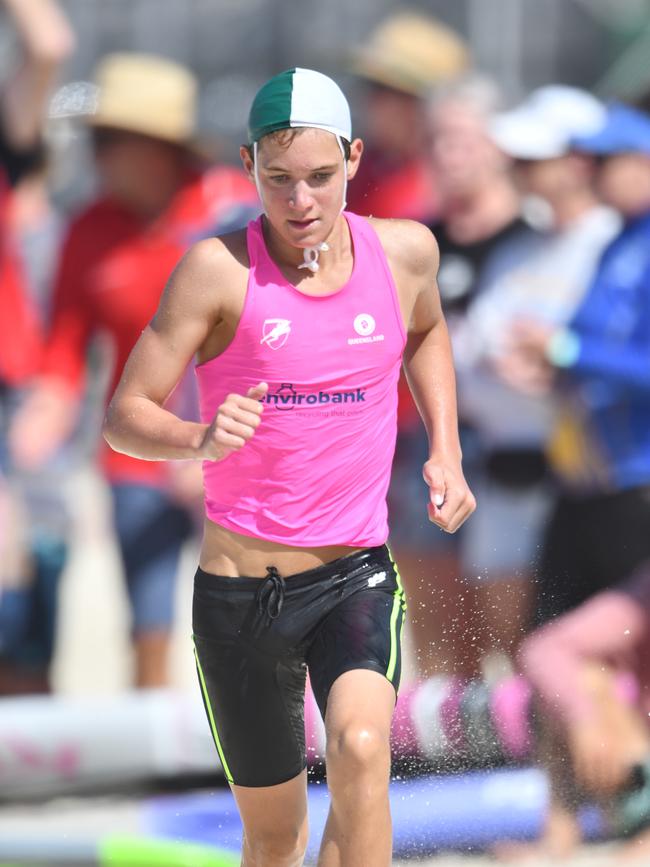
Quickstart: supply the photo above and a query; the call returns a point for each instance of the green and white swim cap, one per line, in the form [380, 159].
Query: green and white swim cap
[299, 98]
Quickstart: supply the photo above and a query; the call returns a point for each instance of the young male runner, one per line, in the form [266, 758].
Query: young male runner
[300, 324]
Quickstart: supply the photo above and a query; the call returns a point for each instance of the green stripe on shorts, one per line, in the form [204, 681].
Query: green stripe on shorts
[399, 606]
[213, 726]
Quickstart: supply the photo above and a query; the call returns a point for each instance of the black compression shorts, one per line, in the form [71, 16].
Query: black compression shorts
[255, 639]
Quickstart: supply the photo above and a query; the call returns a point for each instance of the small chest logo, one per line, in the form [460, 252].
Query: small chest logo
[275, 332]
[364, 324]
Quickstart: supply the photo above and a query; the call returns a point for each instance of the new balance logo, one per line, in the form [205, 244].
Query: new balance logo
[377, 578]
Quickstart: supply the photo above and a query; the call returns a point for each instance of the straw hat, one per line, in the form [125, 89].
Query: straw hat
[411, 52]
[146, 94]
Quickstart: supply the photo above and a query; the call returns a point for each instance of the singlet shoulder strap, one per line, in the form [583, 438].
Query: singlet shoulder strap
[255, 243]
[367, 241]
[364, 237]
[358, 225]
[357, 219]
[370, 251]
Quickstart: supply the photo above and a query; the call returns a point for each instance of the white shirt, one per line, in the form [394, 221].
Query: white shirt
[539, 276]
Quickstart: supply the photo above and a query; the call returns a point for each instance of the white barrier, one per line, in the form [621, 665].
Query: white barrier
[57, 744]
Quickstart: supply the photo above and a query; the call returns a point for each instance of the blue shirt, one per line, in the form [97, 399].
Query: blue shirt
[612, 369]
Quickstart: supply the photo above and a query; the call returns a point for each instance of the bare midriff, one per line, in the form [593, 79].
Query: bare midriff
[235, 555]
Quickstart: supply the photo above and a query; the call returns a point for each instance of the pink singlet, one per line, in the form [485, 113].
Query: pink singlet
[317, 469]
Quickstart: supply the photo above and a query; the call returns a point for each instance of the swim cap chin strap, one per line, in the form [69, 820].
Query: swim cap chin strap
[310, 254]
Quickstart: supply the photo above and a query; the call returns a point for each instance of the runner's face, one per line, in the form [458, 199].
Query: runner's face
[302, 185]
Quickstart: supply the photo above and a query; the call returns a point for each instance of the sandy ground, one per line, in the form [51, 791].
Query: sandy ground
[93, 658]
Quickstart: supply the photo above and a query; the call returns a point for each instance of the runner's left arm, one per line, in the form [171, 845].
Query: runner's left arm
[429, 371]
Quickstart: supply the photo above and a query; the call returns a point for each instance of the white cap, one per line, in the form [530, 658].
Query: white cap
[546, 123]
[299, 98]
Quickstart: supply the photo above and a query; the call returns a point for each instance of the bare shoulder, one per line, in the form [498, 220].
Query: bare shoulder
[206, 281]
[412, 253]
[409, 245]
[216, 257]
[209, 268]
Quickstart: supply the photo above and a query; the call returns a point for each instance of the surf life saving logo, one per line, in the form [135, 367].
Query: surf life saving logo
[275, 332]
[364, 324]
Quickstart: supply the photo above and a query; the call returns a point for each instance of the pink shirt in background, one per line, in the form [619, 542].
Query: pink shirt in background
[317, 470]
[612, 627]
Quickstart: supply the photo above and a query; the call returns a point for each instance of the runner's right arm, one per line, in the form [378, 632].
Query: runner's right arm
[137, 422]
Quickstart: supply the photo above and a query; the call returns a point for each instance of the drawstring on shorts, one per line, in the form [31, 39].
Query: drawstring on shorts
[270, 595]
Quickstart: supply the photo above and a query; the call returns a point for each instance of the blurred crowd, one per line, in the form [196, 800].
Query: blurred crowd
[541, 211]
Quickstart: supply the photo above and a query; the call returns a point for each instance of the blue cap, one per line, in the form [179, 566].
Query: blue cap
[626, 130]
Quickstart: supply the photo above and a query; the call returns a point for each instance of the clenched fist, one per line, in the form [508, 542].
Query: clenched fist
[234, 424]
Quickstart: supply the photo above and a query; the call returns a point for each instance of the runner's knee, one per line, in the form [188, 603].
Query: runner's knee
[358, 748]
[281, 846]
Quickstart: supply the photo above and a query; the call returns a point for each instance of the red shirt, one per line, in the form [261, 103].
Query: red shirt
[385, 188]
[20, 332]
[112, 271]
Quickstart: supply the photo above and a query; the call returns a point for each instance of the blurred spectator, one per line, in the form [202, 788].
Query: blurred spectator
[38, 227]
[402, 60]
[479, 202]
[479, 208]
[32, 552]
[540, 275]
[590, 670]
[601, 451]
[45, 41]
[116, 258]
[28, 610]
